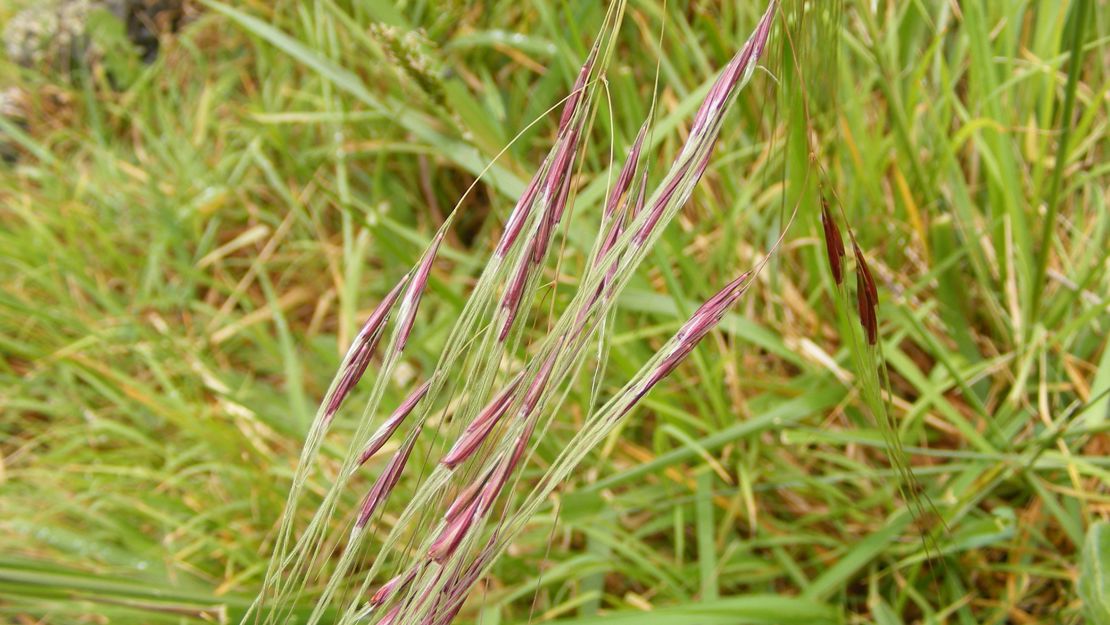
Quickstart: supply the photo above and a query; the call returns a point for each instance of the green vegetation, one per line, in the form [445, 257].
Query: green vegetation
[188, 254]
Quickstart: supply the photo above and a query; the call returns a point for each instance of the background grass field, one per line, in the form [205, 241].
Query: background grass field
[184, 261]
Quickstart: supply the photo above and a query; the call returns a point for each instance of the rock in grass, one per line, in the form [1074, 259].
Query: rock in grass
[13, 108]
[59, 36]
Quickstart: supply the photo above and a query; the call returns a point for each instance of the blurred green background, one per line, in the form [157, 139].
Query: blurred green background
[189, 242]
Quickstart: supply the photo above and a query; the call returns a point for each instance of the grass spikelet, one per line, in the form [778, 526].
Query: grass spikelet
[392, 423]
[834, 243]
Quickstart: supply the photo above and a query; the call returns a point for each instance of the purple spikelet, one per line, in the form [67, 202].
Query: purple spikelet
[627, 173]
[411, 302]
[578, 90]
[393, 422]
[510, 300]
[383, 486]
[519, 215]
[704, 319]
[738, 69]
[389, 588]
[362, 348]
[476, 433]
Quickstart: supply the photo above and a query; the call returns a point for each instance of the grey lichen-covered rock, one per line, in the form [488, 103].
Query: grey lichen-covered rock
[28, 36]
[55, 35]
[13, 108]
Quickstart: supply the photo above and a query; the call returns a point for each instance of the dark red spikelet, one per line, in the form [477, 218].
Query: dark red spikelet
[868, 280]
[834, 244]
[867, 297]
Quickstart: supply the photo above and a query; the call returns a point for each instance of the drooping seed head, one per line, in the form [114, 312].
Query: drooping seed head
[834, 244]
[867, 297]
[393, 422]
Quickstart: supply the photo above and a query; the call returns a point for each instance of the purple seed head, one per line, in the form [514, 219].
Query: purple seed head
[867, 297]
[737, 70]
[579, 87]
[712, 311]
[455, 588]
[510, 300]
[399, 582]
[519, 215]
[561, 164]
[627, 173]
[453, 532]
[611, 235]
[657, 209]
[539, 383]
[383, 486]
[560, 205]
[465, 498]
[362, 348]
[393, 422]
[542, 238]
[641, 198]
[411, 302]
[834, 244]
[696, 327]
[391, 616]
[500, 476]
[476, 433]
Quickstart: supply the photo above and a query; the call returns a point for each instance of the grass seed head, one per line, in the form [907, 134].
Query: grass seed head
[738, 70]
[704, 319]
[867, 297]
[454, 530]
[383, 486]
[834, 244]
[478, 430]
[627, 173]
[393, 422]
[519, 215]
[399, 582]
[411, 302]
[579, 88]
[362, 348]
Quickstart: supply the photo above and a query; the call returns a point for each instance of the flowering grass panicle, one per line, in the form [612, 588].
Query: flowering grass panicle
[436, 548]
